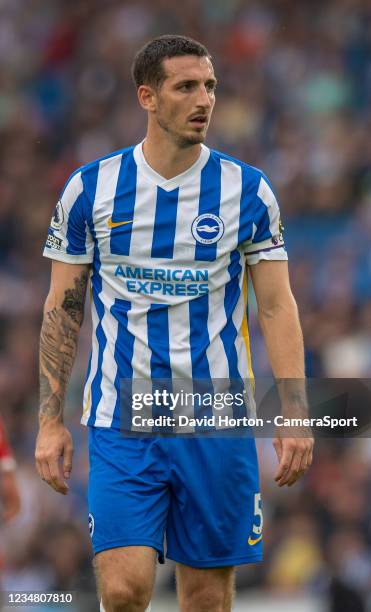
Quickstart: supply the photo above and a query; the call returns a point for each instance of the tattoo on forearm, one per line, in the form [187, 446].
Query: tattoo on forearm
[58, 345]
[73, 302]
[293, 396]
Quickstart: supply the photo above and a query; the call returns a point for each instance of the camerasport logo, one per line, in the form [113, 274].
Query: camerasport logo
[58, 217]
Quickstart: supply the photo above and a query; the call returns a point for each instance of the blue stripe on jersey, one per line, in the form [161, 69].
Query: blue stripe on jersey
[199, 341]
[209, 202]
[158, 342]
[75, 236]
[229, 333]
[262, 221]
[250, 184]
[199, 336]
[124, 348]
[165, 223]
[89, 179]
[124, 203]
[96, 390]
[89, 367]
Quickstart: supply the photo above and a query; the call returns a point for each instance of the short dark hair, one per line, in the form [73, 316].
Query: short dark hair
[147, 67]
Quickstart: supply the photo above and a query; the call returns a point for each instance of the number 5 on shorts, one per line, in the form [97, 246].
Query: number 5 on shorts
[257, 529]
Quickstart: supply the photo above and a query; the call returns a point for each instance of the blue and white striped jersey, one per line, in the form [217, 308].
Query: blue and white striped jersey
[168, 278]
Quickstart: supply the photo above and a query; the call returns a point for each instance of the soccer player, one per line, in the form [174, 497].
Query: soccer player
[162, 232]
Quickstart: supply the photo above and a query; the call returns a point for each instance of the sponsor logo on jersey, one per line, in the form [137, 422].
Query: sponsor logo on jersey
[164, 281]
[112, 224]
[207, 228]
[252, 541]
[58, 217]
[91, 524]
[52, 242]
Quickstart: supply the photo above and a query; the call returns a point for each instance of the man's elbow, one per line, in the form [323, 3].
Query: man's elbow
[278, 307]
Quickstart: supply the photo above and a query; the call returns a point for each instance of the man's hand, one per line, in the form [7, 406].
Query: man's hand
[54, 442]
[295, 456]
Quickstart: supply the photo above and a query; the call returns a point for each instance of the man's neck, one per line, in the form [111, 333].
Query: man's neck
[166, 158]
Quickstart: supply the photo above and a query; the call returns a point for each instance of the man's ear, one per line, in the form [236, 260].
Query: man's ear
[147, 97]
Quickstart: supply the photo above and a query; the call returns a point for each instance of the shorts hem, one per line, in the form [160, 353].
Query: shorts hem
[131, 542]
[225, 562]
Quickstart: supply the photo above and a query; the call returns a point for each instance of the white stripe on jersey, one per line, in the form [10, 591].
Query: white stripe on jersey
[107, 402]
[141, 360]
[180, 348]
[266, 194]
[75, 188]
[241, 348]
[215, 352]
[144, 218]
[68, 198]
[180, 357]
[187, 211]
[93, 366]
[108, 175]
[230, 199]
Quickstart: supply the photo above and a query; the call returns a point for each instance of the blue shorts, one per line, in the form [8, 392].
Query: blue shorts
[202, 493]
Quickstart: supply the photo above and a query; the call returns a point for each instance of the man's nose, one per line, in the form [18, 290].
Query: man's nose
[203, 97]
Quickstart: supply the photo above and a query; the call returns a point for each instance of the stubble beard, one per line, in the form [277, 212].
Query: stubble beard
[182, 141]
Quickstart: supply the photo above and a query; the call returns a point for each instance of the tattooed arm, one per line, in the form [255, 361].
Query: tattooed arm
[63, 316]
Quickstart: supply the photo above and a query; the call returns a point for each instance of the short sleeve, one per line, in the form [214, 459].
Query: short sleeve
[267, 240]
[69, 238]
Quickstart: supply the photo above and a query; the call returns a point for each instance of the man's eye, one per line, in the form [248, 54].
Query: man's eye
[186, 87]
[211, 87]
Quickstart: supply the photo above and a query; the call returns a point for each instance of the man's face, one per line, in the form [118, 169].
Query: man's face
[185, 100]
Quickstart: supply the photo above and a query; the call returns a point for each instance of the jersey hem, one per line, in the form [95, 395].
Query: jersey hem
[66, 258]
[224, 562]
[97, 423]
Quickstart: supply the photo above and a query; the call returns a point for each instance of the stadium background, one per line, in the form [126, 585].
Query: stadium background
[294, 99]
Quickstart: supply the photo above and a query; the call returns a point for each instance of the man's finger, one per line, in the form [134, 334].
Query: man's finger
[47, 476]
[303, 453]
[67, 461]
[297, 477]
[310, 456]
[277, 443]
[45, 472]
[305, 460]
[39, 467]
[57, 481]
[285, 462]
[294, 471]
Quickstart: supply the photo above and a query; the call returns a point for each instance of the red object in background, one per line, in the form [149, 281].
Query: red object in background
[245, 43]
[7, 461]
[62, 43]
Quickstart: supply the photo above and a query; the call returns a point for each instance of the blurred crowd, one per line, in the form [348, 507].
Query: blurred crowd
[294, 99]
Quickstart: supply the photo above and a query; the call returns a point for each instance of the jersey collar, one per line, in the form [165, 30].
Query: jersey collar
[176, 181]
